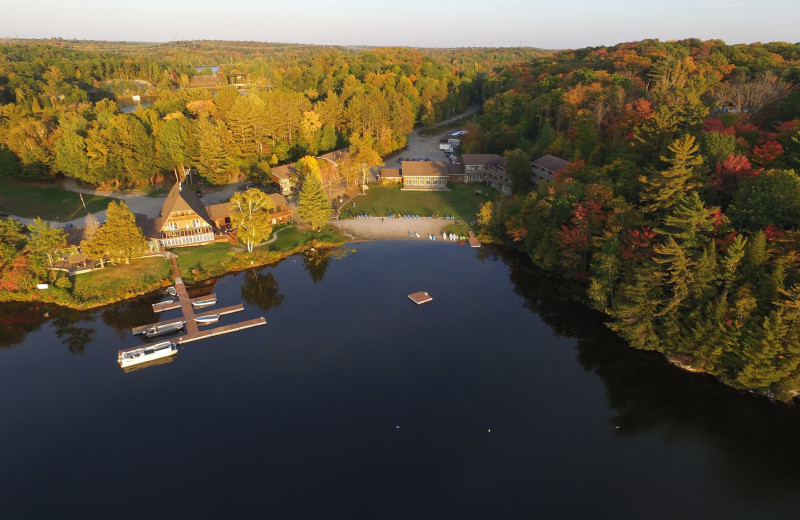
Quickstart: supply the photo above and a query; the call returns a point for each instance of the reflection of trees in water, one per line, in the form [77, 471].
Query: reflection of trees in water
[316, 261]
[125, 315]
[648, 393]
[18, 319]
[74, 337]
[261, 290]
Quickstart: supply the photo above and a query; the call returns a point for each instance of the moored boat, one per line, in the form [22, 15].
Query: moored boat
[145, 353]
[209, 318]
[172, 291]
[204, 303]
[159, 330]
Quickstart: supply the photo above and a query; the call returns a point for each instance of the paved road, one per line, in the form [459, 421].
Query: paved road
[426, 146]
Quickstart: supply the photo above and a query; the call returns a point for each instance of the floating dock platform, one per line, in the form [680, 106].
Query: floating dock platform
[420, 297]
[473, 242]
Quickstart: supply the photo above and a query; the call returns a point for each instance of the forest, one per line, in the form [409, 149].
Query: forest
[678, 216]
[680, 208]
[59, 117]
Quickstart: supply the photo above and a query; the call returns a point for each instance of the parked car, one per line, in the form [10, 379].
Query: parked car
[67, 225]
[198, 193]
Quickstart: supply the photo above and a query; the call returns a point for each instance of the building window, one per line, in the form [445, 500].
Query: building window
[196, 222]
[173, 225]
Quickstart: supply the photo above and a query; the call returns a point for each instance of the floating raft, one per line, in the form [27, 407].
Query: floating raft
[473, 242]
[420, 297]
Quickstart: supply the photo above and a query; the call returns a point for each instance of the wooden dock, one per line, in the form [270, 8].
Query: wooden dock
[473, 242]
[223, 311]
[171, 306]
[188, 318]
[219, 331]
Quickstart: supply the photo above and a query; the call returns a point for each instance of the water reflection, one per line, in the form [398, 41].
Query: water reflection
[65, 325]
[18, 320]
[316, 261]
[648, 394]
[123, 316]
[261, 289]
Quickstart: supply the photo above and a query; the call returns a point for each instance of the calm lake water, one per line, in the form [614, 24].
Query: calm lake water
[299, 419]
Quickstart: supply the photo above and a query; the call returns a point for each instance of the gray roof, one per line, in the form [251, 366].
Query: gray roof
[550, 163]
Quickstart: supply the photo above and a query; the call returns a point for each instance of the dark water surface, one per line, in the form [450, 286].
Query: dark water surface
[298, 419]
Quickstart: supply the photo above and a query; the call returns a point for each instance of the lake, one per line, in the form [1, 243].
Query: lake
[499, 399]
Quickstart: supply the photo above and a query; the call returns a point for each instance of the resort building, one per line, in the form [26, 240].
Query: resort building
[425, 175]
[476, 165]
[185, 221]
[390, 176]
[280, 213]
[544, 168]
[286, 177]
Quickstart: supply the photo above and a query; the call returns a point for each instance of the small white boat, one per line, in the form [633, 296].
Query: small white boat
[172, 291]
[444, 235]
[209, 318]
[417, 234]
[204, 303]
[160, 330]
[165, 301]
[137, 355]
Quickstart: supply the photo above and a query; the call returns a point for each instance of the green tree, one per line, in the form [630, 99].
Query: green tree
[666, 188]
[43, 239]
[771, 198]
[251, 217]
[119, 238]
[172, 146]
[11, 236]
[518, 166]
[313, 205]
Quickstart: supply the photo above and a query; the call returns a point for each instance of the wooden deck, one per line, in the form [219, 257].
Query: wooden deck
[473, 242]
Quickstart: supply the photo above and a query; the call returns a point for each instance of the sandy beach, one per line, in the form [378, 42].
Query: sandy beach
[392, 229]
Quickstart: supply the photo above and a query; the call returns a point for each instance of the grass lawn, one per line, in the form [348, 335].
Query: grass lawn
[461, 201]
[117, 281]
[206, 257]
[294, 237]
[42, 199]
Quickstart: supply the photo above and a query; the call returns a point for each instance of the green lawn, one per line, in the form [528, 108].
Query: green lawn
[461, 201]
[121, 281]
[49, 201]
[206, 257]
[294, 237]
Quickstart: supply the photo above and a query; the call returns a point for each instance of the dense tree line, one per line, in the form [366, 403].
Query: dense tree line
[680, 210]
[57, 116]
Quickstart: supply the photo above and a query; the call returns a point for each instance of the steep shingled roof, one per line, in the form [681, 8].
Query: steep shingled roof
[182, 200]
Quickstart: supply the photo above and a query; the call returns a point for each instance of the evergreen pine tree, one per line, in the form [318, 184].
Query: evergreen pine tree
[313, 205]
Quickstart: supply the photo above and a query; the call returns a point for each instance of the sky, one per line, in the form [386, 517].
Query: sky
[551, 24]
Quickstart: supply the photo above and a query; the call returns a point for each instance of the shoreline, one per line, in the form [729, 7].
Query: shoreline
[355, 230]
